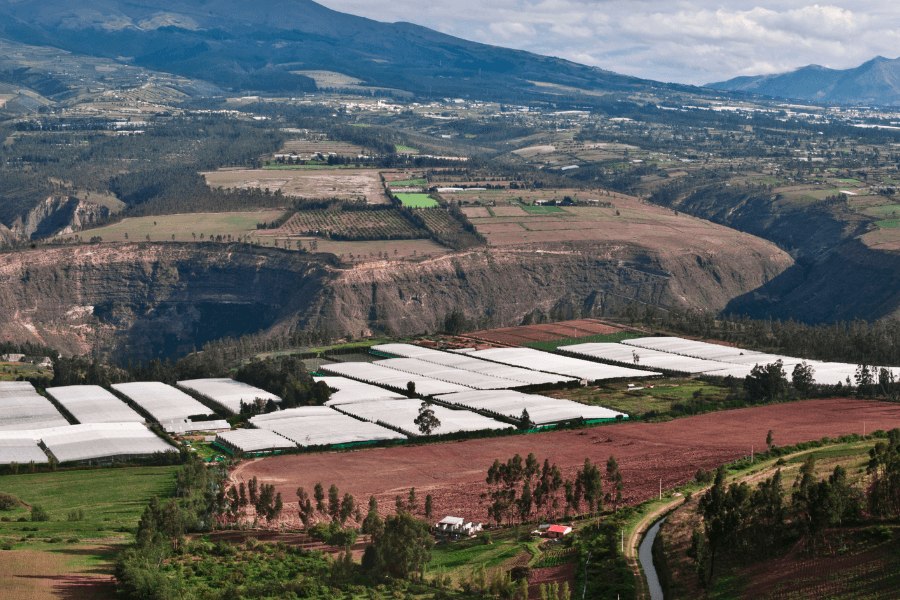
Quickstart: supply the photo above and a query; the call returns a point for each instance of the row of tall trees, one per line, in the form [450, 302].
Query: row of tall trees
[739, 520]
[523, 490]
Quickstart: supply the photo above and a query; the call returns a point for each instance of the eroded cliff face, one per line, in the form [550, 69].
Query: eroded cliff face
[60, 215]
[142, 300]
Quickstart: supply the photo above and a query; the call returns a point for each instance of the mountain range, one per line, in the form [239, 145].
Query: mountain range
[875, 82]
[273, 46]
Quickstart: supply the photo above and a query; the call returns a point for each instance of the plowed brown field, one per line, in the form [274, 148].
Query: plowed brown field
[454, 473]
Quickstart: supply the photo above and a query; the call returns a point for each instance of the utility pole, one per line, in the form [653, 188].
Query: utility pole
[623, 542]
[660, 488]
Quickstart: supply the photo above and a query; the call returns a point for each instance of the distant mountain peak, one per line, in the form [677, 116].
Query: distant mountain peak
[875, 82]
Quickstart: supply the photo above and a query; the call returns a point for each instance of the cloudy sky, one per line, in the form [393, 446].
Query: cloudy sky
[687, 41]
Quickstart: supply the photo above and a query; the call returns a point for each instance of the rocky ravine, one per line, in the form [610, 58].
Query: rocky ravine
[140, 300]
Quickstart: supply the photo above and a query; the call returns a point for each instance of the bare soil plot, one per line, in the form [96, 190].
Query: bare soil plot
[475, 211]
[507, 210]
[454, 473]
[186, 228]
[546, 332]
[344, 184]
[629, 221]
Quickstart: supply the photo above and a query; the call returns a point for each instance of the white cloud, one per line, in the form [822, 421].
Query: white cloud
[509, 31]
[690, 41]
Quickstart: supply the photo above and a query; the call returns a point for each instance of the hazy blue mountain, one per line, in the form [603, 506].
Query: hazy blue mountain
[876, 82]
[257, 45]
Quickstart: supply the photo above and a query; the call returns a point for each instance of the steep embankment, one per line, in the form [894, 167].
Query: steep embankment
[138, 300]
[836, 276]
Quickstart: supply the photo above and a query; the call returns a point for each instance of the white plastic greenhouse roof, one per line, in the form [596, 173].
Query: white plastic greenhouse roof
[163, 402]
[22, 408]
[740, 362]
[21, 451]
[93, 404]
[391, 378]
[646, 357]
[530, 358]
[469, 363]
[350, 390]
[469, 379]
[254, 440]
[322, 426]
[227, 393]
[102, 440]
[401, 414]
[541, 409]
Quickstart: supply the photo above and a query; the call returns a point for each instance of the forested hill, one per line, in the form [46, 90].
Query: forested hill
[261, 46]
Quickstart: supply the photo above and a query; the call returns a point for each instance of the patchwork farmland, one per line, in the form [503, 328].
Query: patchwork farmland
[341, 184]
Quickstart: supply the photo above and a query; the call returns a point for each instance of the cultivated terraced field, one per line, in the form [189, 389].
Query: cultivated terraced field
[380, 224]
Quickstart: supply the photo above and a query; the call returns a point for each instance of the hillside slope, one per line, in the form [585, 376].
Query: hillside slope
[136, 300]
[240, 45]
[875, 82]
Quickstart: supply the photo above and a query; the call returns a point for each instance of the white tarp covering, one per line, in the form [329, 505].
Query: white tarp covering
[391, 378]
[163, 402]
[401, 414]
[91, 441]
[322, 426]
[347, 391]
[470, 379]
[22, 408]
[227, 393]
[22, 452]
[541, 409]
[469, 363]
[654, 359]
[529, 358]
[253, 440]
[93, 404]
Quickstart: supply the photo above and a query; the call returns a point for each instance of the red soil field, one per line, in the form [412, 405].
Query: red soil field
[546, 332]
[454, 473]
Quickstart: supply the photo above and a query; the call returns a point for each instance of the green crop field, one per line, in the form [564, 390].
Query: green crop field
[110, 498]
[889, 224]
[541, 210]
[849, 180]
[417, 200]
[408, 183]
[407, 150]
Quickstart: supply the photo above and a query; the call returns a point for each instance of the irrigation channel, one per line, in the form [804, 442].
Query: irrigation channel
[645, 555]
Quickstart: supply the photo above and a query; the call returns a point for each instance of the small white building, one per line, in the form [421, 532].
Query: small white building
[456, 526]
[558, 531]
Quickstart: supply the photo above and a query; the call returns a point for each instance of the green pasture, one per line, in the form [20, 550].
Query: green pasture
[408, 183]
[112, 499]
[417, 200]
[889, 224]
[541, 210]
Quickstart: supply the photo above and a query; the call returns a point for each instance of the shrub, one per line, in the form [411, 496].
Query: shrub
[76, 514]
[38, 513]
[7, 546]
[9, 502]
